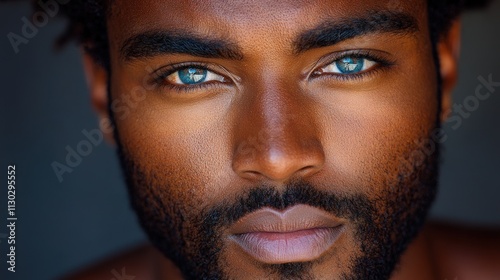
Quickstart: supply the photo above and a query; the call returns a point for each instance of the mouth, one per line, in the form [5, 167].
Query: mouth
[298, 234]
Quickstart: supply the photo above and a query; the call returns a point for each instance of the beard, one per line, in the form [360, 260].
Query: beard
[384, 224]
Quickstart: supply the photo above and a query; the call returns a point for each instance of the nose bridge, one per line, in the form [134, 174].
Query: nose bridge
[275, 135]
[277, 112]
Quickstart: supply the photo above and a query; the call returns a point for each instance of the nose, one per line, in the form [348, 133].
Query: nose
[276, 139]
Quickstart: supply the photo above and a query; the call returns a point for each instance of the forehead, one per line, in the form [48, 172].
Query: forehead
[232, 18]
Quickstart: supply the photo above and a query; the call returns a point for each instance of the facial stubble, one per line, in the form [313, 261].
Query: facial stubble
[193, 238]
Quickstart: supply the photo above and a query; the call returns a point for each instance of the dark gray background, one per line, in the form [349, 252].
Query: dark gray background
[64, 226]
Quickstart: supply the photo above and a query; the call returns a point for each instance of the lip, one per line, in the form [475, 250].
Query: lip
[297, 234]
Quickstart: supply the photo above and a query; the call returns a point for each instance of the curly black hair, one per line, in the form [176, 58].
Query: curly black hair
[87, 22]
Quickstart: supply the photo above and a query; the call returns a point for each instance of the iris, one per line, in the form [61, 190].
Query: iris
[192, 75]
[350, 65]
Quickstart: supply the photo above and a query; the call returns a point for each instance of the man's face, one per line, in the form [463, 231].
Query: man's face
[276, 139]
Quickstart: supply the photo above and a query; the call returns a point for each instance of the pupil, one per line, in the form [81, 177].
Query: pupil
[350, 65]
[192, 75]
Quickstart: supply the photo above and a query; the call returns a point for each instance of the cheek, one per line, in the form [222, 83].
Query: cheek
[368, 135]
[179, 150]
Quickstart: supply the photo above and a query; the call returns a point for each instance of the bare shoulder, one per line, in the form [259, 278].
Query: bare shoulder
[136, 263]
[465, 252]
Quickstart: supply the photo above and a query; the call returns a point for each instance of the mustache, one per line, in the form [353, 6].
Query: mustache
[355, 208]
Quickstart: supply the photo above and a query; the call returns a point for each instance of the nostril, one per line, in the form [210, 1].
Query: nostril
[307, 170]
[250, 175]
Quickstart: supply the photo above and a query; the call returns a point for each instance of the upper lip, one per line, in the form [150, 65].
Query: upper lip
[299, 217]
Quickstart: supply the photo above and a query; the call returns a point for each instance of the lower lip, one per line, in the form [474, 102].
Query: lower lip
[284, 247]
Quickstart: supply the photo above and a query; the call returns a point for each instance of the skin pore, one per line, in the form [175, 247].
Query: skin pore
[319, 103]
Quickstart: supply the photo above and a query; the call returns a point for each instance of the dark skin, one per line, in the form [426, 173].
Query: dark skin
[273, 111]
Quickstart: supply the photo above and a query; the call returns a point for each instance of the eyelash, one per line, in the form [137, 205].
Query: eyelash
[382, 63]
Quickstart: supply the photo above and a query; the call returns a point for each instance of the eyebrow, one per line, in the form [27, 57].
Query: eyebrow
[330, 32]
[155, 43]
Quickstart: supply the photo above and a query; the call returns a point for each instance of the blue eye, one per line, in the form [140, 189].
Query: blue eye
[348, 65]
[194, 76]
